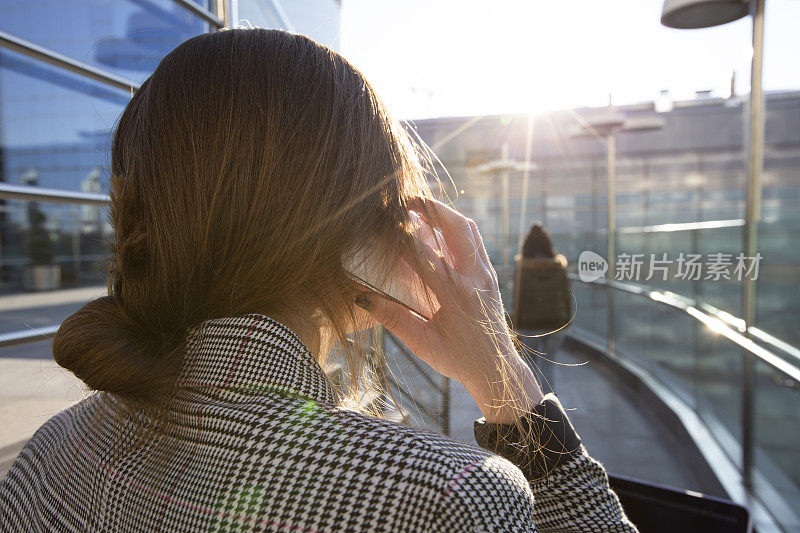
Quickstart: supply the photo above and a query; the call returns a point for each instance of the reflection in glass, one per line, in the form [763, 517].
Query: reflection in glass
[55, 132]
[126, 37]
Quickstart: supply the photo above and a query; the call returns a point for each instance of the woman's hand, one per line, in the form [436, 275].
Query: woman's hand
[481, 346]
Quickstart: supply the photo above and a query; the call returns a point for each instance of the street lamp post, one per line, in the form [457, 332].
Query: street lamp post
[605, 126]
[504, 166]
[704, 14]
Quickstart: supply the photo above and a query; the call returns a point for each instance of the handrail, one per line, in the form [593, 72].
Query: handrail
[40, 53]
[691, 307]
[16, 338]
[758, 333]
[9, 191]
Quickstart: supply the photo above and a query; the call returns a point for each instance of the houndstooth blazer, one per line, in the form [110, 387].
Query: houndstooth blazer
[254, 441]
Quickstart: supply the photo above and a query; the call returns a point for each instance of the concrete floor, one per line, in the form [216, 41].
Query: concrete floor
[626, 438]
[32, 387]
[31, 391]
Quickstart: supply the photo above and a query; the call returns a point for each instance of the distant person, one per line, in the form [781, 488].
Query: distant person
[244, 170]
[542, 299]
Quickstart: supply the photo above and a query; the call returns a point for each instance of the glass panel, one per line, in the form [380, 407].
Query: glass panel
[50, 246]
[260, 13]
[56, 132]
[654, 336]
[777, 450]
[55, 125]
[719, 380]
[701, 366]
[126, 37]
[778, 293]
[591, 308]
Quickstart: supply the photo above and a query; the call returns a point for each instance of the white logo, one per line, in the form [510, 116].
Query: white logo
[591, 266]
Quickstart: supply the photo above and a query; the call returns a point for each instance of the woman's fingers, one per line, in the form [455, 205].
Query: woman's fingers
[455, 228]
[434, 276]
[482, 249]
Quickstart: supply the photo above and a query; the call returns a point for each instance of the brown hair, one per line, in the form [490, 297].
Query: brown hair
[242, 170]
[538, 242]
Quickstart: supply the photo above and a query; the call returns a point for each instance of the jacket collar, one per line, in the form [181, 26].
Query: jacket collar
[251, 355]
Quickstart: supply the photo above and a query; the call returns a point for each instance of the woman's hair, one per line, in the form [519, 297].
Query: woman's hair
[537, 242]
[242, 170]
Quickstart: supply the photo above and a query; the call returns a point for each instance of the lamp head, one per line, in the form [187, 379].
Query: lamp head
[691, 14]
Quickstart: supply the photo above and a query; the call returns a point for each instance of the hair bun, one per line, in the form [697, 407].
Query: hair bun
[105, 348]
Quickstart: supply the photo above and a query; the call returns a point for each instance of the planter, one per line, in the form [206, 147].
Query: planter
[42, 277]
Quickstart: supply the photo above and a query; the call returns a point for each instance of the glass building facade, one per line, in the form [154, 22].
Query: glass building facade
[679, 188]
[56, 124]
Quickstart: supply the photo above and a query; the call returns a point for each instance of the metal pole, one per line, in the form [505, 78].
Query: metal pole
[223, 12]
[506, 208]
[2, 219]
[611, 155]
[76, 243]
[752, 215]
[525, 181]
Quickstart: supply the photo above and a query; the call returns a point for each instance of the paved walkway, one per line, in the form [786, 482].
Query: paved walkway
[628, 439]
[32, 387]
[31, 391]
[29, 300]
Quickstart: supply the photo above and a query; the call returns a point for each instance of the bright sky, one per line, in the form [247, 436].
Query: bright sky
[432, 58]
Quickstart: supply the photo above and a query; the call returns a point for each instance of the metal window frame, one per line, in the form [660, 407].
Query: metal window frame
[224, 10]
[26, 336]
[51, 57]
[219, 19]
[212, 18]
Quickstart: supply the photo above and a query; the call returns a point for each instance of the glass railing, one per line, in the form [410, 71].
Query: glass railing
[697, 353]
[66, 230]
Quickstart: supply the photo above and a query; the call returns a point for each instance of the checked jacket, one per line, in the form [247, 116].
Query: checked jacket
[254, 441]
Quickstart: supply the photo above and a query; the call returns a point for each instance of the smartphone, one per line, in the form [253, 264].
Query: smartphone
[403, 286]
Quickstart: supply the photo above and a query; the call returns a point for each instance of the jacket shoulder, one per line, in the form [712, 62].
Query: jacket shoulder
[39, 458]
[477, 489]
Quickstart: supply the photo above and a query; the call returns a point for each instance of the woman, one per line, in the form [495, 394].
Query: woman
[243, 171]
[542, 300]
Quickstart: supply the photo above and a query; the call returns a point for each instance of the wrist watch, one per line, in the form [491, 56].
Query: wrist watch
[543, 440]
